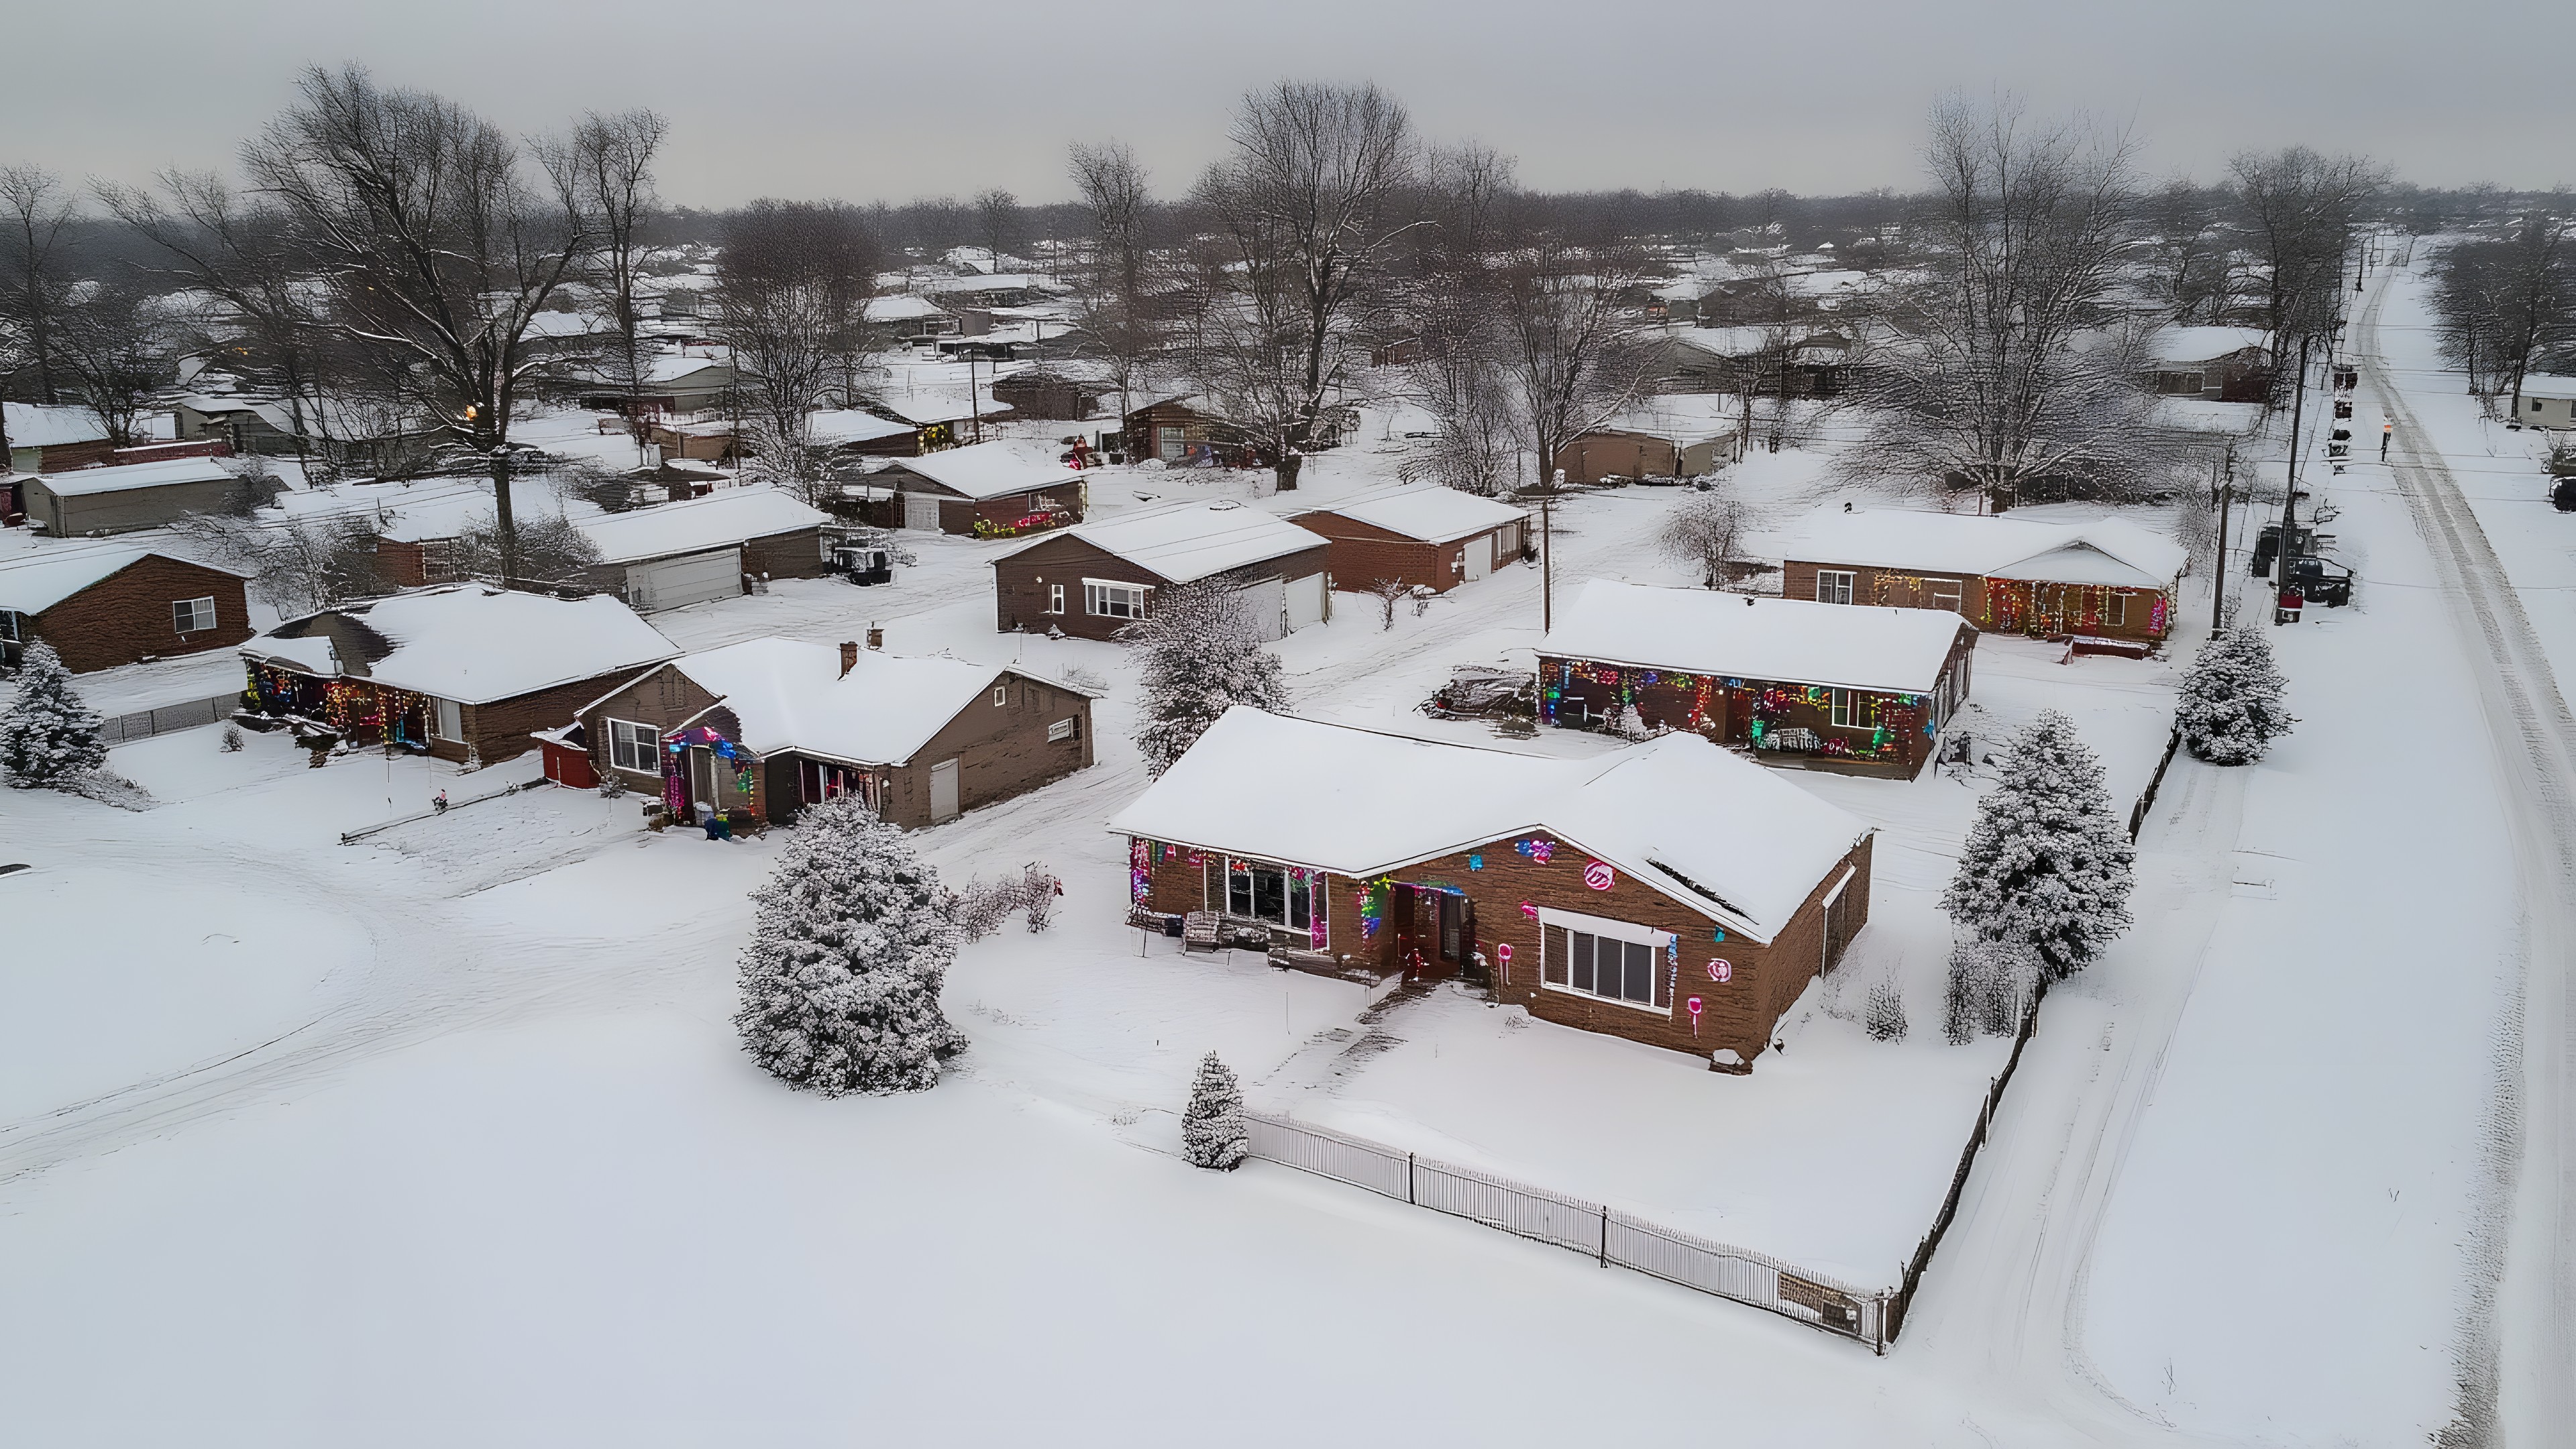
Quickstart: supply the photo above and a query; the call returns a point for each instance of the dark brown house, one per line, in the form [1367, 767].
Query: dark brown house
[770, 726]
[1801, 684]
[985, 490]
[463, 672]
[1554, 884]
[1431, 538]
[2107, 580]
[1183, 430]
[1093, 580]
[1047, 393]
[100, 606]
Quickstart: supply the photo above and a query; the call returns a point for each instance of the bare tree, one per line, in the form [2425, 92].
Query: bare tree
[1113, 281]
[114, 351]
[1458, 373]
[1708, 534]
[1309, 206]
[2301, 210]
[792, 287]
[2191, 274]
[1572, 351]
[33, 212]
[2503, 303]
[437, 249]
[997, 223]
[608, 163]
[2009, 381]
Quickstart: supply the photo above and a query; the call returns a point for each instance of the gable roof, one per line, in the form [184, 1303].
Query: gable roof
[2203, 343]
[1433, 515]
[725, 517]
[33, 585]
[1740, 636]
[2110, 551]
[1190, 540]
[990, 470]
[1370, 803]
[125, 477]
[470, 643]
[39, 425]
[788, 695]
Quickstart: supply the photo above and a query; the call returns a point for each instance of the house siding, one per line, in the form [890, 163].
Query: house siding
[122, 511]
[126, 618]
[1020, 583]
[1363, 553]
[1997, 605]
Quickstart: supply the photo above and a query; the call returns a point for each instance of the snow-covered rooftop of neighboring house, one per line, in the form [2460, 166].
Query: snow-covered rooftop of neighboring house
[1741, 636]
[1433, 515]
[903, 307]
[922, 396]
[2202, 344]
[832, 427]
[992, 470]
[2109, 552]
[791, 695]
[35, 425]
[1681, 417]
[2534, 384]
[33, 585]
[475, 644]
[1007, 282]
[1191, 540]
[1368, 804]
[124, 477]
[725, 517]
[439, 508]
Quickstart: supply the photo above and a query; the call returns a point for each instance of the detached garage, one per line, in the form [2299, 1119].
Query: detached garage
[672, 555]
[1093, 580]
[692, 578]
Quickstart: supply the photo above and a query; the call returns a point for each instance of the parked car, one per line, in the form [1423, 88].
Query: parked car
[2321, 581]
[2563, 496]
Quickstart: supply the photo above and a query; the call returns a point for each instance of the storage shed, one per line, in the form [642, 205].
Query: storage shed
[126, 497]
[985, 490]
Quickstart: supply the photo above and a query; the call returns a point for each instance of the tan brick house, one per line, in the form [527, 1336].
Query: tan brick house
[1599, 893]
[101, 606]
[2107, 579]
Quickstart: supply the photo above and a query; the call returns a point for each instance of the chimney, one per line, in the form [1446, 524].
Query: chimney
[849, 656]
[876, 637]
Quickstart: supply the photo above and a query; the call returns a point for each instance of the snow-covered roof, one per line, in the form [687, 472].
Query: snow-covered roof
[832, 427]
[1191, 540]
[1368, 803]
[789, 695]
[2108, 552]
[125, 477]
[727, 516]
[1433, 515]
[474, 644]
[2534, 384]
[1006, 282]
[991, 470]
[1740, 636]
[903, 307]
[1683, 418]
[2203, 344]
[35, 425]
[33, 585]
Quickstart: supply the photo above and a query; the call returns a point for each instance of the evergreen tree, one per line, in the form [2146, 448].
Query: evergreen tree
[2230, 710]
[1202, 656]
[2047, 864]
[48, 735]
[840, 984]
[1212, 1130]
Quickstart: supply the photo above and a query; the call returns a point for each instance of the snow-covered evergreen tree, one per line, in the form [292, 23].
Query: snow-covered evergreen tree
[1202, 656]
[840, 984]
[48, 734]
[2230, 709]
[2047, 863]
[1627, 724]
[1212, 1130]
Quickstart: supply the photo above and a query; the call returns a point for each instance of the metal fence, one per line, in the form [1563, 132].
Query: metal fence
[1903, 1298]
[1602, 1233]
[2155, 782]
[125, 729]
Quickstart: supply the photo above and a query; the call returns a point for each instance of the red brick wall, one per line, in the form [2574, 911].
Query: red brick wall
[126, 618]
[1363, 554]
[2090, 606]
[1001, 750]
[1020, 583]
[794, 555]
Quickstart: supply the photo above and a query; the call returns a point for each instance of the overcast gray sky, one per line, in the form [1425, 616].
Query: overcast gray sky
[864, 100]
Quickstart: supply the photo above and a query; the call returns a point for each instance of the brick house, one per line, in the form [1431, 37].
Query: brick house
[45, 438]
[770, 726]
[1181, 430]
[2107, 579]
[1798, 683]
[1591, 892]
[1093, 580]
[985, 490]
[100, 607]
[463, 672]
[1433, 538]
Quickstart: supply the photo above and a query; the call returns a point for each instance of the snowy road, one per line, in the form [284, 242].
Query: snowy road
[2526, 1329]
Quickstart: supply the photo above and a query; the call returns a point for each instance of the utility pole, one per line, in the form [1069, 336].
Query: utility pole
[973, 408]
[2290, 495]
[1547, 553]
[2218, 584]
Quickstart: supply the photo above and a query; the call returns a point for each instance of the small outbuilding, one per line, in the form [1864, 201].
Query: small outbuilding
[47, 438]
[985, 490]
[2547, 402]
[1095, 579]
[463, 672]
[127, 496]
[1668, 892]
[101, 606]
[771, 726]
[1822, 686]
[670, 555]
[2107, 579]
[1430, 538]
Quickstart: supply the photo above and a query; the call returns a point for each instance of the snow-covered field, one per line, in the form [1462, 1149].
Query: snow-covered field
[445, 1136]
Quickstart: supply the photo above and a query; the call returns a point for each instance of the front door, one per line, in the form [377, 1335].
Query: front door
[943, 790]
[702, 777]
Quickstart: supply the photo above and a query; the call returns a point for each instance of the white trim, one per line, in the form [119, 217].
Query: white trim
[1604, 926]
[1662, 945]
[651, 744]
[1836, 893]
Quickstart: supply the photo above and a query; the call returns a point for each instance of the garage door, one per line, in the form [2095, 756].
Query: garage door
[1265, 603]
[921, 510]
[1306, 601]
[689, 579]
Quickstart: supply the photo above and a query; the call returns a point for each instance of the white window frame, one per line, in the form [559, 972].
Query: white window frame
[1055, 598]
[2116, 612]
[1288, 895]
[1001, 695]
[1068, 728]
[1096, 592]
[1841, 589]
[1838, 706]
[198, 608]
[649, 748]
[9, 625]
[1659, 942]
[438, 720]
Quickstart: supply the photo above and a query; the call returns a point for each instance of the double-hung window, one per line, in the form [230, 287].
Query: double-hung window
[1833, 587]
[2118, 611]
[1610, 960]
[633, 746]
[191, 615]
[1267, 893]
[1055, 598]
[1841, 705]
[1111, 600]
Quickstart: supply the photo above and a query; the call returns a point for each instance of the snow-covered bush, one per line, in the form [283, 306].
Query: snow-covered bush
[1628, 724]
[48, 734]
[840, 984]
[2230, 709]
[1991, 984]
[1212, 1130]
[612, 786]
[1202, 655]
[983, 906]
[1886, 1017]
[1388, 593]
[2047, 864]
[1038, 890]
[231, 741]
